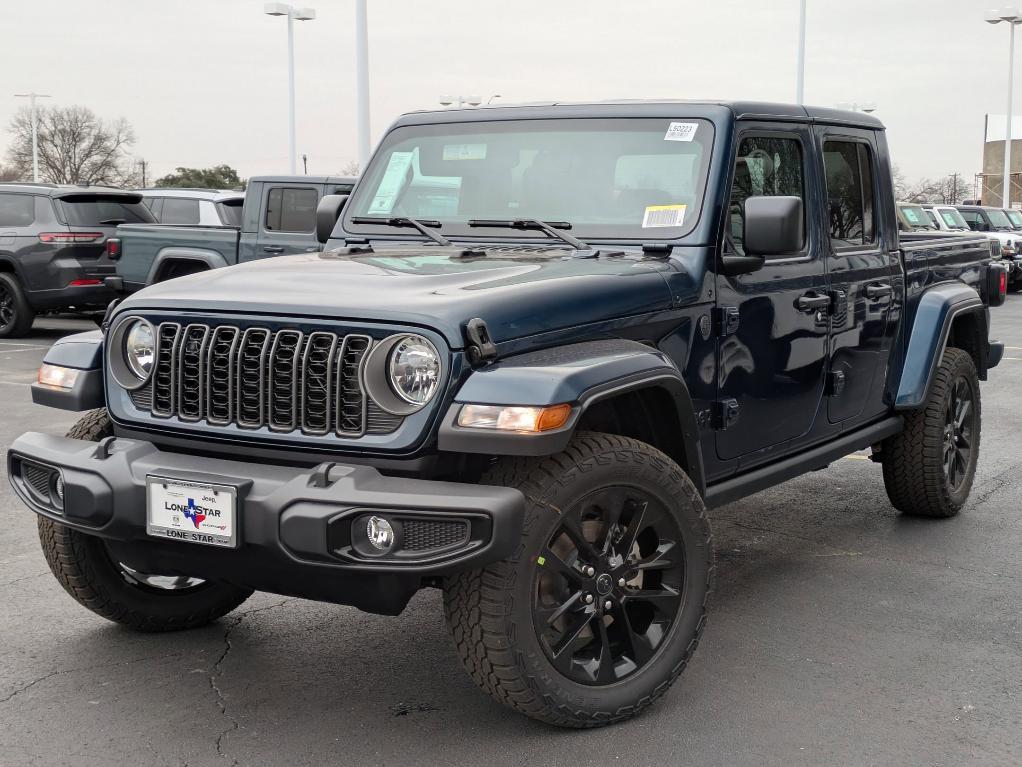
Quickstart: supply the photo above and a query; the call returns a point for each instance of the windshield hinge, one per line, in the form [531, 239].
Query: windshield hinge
[661, 249]
[480, 347]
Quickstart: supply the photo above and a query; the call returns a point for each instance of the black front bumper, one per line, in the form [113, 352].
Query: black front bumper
[294, 524]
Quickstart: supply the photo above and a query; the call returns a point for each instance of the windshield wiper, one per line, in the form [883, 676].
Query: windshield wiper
[426, 227]
[549, 227]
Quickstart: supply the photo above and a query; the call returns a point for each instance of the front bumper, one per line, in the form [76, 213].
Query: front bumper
[294, 524]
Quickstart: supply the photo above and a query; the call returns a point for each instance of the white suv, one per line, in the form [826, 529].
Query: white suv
[195, 207]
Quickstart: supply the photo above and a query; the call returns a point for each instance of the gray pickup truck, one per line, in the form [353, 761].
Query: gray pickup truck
[541, 343]
[278, 218]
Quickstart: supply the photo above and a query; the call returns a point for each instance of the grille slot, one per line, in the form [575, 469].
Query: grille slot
[38, 477]
[425, 535]
[284, 380]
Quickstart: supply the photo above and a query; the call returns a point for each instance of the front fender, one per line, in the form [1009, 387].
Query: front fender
[82, 352]
[937, 310]
[578, 374]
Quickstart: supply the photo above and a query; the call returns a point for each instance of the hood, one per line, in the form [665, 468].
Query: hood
[518, 291]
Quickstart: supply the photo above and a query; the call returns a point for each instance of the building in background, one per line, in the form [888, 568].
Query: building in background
[991, 179]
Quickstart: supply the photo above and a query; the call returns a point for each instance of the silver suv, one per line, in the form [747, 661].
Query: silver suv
[195, 207]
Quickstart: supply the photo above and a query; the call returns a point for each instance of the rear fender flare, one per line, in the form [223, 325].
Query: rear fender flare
[210, 258]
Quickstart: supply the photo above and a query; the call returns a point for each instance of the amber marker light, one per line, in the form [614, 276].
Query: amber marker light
[57, 377]
[517, 418]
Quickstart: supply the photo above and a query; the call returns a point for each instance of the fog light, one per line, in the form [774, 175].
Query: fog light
[58, 487]
[380, 533]
[57, 377]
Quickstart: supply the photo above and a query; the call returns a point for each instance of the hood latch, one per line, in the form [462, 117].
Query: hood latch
[480, 347]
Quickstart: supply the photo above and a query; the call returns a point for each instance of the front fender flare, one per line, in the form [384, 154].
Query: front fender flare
[84, 353]
[579, 374]
[937, 310]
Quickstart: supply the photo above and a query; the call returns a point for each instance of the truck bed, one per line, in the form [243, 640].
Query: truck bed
[142, 245]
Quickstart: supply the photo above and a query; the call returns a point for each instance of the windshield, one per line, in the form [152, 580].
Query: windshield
[94, 210]
[916, 217]
[997, 219]
[609, 178]
[1015, 218]
[953, 219]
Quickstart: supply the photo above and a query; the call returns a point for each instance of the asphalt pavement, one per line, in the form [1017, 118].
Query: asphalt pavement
[840, 633]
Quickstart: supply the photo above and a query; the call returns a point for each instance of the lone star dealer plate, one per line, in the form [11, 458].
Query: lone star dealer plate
[194, 512]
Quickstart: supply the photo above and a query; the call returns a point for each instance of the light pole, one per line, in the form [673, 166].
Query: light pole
[855, 106]
[35, 128]
[362, 82]
[293, 14]
[1012, 17]
[800, 76]
[460, 101]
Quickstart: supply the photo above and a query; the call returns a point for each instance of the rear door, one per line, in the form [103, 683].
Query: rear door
[771, 362]
[862, 263]
[287, 221]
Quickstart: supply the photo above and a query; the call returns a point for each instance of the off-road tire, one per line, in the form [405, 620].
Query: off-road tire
[82, 565]
[21, 323]
[488, 610]
[914, 473]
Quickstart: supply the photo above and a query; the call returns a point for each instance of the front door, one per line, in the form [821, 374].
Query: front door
[862, 267]
[772, 365]
[288, 221]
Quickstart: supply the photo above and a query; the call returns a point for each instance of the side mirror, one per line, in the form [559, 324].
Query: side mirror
[773, 226]
[327, 213]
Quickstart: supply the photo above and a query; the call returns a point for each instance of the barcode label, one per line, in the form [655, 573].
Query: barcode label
[681, 131]
[663, 215]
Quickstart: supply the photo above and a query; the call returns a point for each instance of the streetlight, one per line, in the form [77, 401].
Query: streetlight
[855, 106]
[1012, 17]
[362, 81]
[35, 129]
[460, 101]
[800, 76]
[293, 14]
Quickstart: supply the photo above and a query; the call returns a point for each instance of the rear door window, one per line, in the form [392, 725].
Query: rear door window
[95, 210]
[177, 210]
[849, 168]
[17, 210]
[291, 209]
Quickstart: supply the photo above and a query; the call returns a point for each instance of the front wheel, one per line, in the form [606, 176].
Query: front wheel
[15, 314]
[603, 602]
[97, 580]
[930, 465]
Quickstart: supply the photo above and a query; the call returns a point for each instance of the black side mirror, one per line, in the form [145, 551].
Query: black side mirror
[773, 226]
[327, 213]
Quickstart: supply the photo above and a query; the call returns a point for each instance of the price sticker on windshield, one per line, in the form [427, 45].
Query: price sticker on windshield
[663, 215]
[681, 131]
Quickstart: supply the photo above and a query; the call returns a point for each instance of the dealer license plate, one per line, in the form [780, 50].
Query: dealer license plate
[194, 512]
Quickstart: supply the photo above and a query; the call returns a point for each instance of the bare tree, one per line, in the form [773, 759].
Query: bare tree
[350, 168]
[8, 173]
[75, 145]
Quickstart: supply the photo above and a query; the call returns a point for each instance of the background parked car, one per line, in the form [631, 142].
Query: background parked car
[995, 223]
[195, 207]
[912, 218]
[52, 246]
[947, 218]
[278, 217]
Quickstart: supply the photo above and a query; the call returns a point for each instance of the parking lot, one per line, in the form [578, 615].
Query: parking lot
[839, 633]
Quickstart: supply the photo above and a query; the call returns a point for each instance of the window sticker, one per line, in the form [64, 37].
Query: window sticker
[681, 131]
[663, 215]
[464, 151]
[391, 183]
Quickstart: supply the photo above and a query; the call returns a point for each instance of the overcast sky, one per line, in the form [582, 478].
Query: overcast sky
[205, 81]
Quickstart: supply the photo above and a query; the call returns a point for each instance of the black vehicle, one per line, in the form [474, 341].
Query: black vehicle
[52, 245]
[541, 342]
[277, 217]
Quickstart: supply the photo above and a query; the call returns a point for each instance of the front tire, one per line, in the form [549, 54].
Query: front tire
[604, 600]
[144, 602]
[930, 465]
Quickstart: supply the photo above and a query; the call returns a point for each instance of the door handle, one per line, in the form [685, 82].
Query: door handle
[273, 249]
[811, 302]
[877, 290]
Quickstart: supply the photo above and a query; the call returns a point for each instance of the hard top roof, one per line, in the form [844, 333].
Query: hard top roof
[305, 179]
[193, 194]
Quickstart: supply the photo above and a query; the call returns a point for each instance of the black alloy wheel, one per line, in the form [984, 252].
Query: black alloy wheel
[959, 424]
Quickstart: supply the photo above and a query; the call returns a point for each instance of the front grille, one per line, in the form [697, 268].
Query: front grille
[284, 380]
[423, 535]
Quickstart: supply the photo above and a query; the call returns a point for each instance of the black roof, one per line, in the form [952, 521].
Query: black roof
[741, 110]
[307, 179]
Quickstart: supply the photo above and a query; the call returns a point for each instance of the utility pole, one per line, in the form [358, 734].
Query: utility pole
[35, 128]
[305, 163]
[362, 82]
[800, 75]
[142, 164]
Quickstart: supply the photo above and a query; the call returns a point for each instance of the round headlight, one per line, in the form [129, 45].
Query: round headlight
[140, 348]
[414, 370]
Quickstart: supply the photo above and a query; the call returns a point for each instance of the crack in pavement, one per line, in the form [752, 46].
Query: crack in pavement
[999, 481]
[25, 578]
[218, 671]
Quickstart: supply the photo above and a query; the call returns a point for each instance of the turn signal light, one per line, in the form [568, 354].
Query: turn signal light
[57, 377]
[525, 419]
[70, 236]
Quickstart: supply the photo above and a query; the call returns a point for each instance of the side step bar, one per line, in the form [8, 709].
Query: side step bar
[788, 468]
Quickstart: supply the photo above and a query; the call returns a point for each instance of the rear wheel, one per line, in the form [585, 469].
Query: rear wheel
[929, 467]
[84, 566]
[603, 603]
[15, 314]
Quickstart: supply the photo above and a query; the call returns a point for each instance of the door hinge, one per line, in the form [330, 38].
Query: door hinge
[726, 415]
[725, 320]
[480, 348]
[835, 383]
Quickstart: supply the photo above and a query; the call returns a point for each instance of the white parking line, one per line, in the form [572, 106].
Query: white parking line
[13, 383]
[19, 351]
[37, 346]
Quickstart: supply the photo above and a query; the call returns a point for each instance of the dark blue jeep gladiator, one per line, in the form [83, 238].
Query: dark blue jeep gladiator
[540, 343]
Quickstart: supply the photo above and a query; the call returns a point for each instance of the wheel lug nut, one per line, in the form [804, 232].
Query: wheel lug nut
[588, 599]
[621, 582]
[589, 570]
[607, 605]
